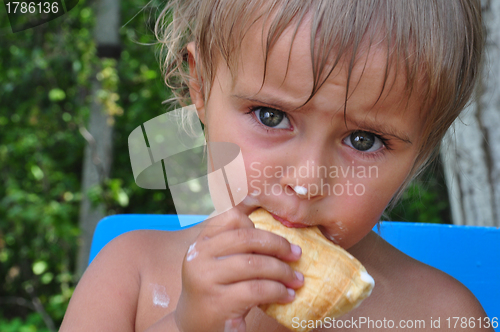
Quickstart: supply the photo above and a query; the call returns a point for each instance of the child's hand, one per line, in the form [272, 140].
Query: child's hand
[231, 268]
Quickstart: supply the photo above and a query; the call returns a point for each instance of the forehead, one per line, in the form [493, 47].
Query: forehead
[286, 71]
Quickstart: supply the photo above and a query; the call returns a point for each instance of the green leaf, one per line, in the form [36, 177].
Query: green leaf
[47, 278]
[57, 95]
[122, 198]
[37, 172]
[39, 267]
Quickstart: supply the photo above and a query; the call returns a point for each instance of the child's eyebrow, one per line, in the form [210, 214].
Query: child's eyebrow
[270, 101]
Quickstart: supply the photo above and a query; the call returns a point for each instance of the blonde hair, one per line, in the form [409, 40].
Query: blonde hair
[438, 44]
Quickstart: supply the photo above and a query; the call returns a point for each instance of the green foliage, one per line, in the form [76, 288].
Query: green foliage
[425, 200]
[44, 73]
[142, 92]
[45, 80]
[33, 323]
[107, 95]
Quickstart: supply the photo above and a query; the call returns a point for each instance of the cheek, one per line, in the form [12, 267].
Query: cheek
[356, 214]
[362, 199]
[259, 169]
[377, 188]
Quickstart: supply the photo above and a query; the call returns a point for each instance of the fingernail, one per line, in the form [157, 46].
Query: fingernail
[299, 276]
[297, 251]
[291, 292]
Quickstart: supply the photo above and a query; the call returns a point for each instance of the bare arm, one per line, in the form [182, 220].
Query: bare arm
[106, 297]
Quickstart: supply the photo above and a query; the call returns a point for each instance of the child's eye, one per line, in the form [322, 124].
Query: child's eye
[271, 117]
[364, 141]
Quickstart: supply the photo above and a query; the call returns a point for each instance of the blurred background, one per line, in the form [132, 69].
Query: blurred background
[72, 90]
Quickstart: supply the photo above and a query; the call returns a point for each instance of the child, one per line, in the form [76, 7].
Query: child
[326, 87]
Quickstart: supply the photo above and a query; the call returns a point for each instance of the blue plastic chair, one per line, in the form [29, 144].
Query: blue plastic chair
[469, 254]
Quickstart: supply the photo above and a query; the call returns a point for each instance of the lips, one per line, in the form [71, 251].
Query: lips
[288, 223]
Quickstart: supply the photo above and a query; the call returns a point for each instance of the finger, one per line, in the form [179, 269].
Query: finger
[252, 240]
[260, 291]
[229, 220]
[239, 268]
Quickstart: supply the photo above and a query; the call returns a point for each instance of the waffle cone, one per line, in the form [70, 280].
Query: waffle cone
[334, 281]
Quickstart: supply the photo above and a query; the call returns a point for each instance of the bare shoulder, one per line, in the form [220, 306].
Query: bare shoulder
[108, 288]
[111, 288]
[137, 251]
[442, 294]
[144, 248]
[408, 289]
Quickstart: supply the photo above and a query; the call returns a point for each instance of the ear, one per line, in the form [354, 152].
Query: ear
[195, 85]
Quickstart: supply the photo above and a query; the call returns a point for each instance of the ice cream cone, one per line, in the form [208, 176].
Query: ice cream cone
[334, 281]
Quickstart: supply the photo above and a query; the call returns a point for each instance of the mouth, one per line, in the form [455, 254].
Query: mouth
[288, 223]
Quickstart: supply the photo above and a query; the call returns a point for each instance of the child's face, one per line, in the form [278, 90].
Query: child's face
[362, 173]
